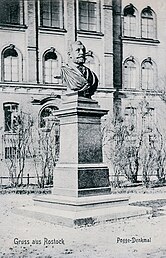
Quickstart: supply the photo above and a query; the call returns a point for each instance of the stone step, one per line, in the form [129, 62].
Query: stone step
[80, 203]
[82, 218]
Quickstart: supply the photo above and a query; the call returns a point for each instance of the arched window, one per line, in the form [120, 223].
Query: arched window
[130, 21]
[45, 116]
[148, 70]
[92, 62]
[148, 23]
[51, 66]
[11, 65]
[130, 73]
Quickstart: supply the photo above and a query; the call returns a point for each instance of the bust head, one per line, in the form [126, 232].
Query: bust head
[77, 53]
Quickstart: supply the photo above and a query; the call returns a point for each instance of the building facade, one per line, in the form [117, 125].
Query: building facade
[127, 46]
[142, 38]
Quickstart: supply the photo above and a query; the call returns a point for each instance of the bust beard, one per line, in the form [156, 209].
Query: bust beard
[79, 60]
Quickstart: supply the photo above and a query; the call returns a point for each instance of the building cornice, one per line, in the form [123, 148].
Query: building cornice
[11, 27]
[90, 34]
[50, 30]
[106, 90]
[141, 41]
[30, 88]
[108, 7]
[139, 92]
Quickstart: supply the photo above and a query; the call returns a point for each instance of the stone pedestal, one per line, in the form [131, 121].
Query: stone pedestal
[81, 193]
[80, 170]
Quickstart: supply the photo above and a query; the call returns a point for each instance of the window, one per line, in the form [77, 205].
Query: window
[148, 23]
[131, 117]
[46, 115]
[49, 134]
[130, 21]
[51, 13]
[148, 115]
[52, 66]
[93, 63]
[130, 73]
[89, 15]
[10, 152]
[10, 117]
[11, 12]
[11, 65]
[148, 74]
[150, 119]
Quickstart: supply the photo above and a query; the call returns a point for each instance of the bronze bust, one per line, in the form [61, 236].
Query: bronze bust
[76, 76]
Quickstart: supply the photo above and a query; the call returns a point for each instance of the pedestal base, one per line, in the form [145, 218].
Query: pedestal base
[82, 211]
[80, 204]
[76, 180]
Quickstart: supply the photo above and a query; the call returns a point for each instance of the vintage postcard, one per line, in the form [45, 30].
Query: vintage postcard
[82, 128]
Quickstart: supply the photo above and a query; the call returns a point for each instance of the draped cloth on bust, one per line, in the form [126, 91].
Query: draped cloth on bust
[84, 82]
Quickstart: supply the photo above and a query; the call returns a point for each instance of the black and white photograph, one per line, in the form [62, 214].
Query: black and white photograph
[82, 128]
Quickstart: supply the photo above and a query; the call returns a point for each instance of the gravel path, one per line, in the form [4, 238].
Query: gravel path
[24, 237]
